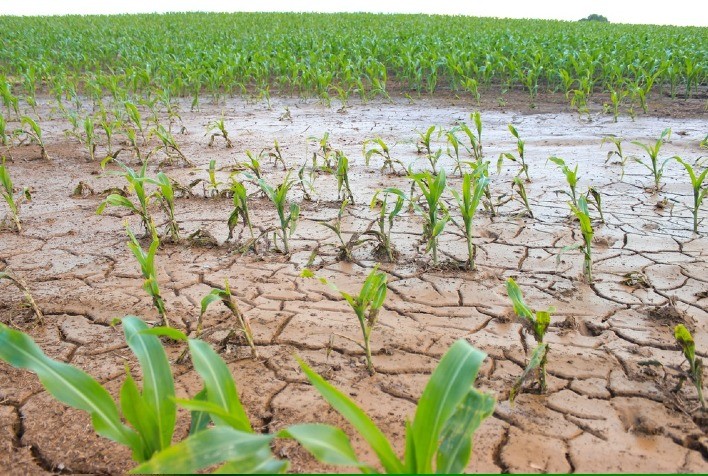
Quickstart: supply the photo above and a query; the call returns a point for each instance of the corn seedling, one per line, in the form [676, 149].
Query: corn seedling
[655, 167]
[324, 150]
[594, 198]
[276, 154]
[695, 365]
[571, 177]
[475, 147]
[279, 197]
[32, 132]
[344, 248]
[227, 299]
[169, 146]
[518, 186]
[253, 164]
[307, 178]
[387, 214]
[211, 186]
[520, 151]
[378, 147]
[453, 150]
[4, 136]
[220, 128]
[166, 195]
[135, 118]
[439, 439]
[468, 201]
[240, 211]
[344, 192]
[8, 194]
[11, 102]
[366, 305]
[22, 286]
[537, 323]
[425, 147]
[109, 127]
[617, 142]
[582, 213]
[90, 137]
[146, 260]
[136, 183]
[432, 188]
[699, 191]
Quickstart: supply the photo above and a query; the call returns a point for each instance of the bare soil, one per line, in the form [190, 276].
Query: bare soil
[606, 410]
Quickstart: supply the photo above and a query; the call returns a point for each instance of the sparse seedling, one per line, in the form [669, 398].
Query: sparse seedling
[166, 194]
[520, 151]
[536, 322]
[8, 194]
[4, 136]
[227, 299]
[432, 188]
[135, 118]
[378, 147]
[276, 154]
[279, 197]
[366, 305]
[518, 186]
[468, 201]
[582, 213]
[571, 177]
[345, 248]
[169, 146]
[699, 191]
[617, 141]
[220, 128]
[32, 132]
[22, 286]
[240, 211]
[655, 165]
[695, 365]
[344, 192]
[136, 182]
[594, 198]
[425, 147]
[146, 260]
[385, 220]
[253, 164]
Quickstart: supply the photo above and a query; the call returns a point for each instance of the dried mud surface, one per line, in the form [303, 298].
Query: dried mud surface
[605, 410]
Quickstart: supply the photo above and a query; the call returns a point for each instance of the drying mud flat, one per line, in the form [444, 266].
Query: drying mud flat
[613, 364]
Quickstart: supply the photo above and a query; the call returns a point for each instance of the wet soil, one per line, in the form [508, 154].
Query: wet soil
[606, 409]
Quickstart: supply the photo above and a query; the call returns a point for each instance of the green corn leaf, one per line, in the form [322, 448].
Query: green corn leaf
[448, 386]
[158, 385]
[685, 340]
[261, 462]
[67, 384]
[212, 297]
[363, 424]
[169, 332]
[456, 440]
[329, 444]
[199, 420]
[539, 353]
[219, 383]
[137, 413]
[517, 298]
[207, 448]
[215, 411]
[117, 201]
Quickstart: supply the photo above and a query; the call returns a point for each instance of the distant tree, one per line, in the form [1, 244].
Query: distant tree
[595, 17]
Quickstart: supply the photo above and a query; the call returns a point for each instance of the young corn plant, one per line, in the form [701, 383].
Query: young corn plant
[136, 182]
[240, 211]
[617, 142]
[655, 165]
[699, 191]
[279, 197]
[520, 151]
[438, 440]
[518, 186]
[253, 164]
[136, 119]
[306, 179]
[582, 213]
[537, 323]
[4, 136]
[169, 146]
[366, 305]
[219, 126]
[475, 147]
[24, 289]
[324, 150]
[276, 154]
[377, 146]
[344, 191]
[7, 191]
[387, 215]
[32, 132]
[425, 146]
[344, 248]
[90, 132]
[436, 216]
[146, 260]
[11, 102]
[594, 198]
[571, 177]
[695, 365]
[227, 299]
[166, 195]
[468, 201]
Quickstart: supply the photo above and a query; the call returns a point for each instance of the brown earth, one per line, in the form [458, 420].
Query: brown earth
[605, 409]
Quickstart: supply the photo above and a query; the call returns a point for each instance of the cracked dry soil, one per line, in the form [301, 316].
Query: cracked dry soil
[605, 409]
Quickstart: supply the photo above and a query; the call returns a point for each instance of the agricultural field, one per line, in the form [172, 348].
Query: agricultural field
[347, 199]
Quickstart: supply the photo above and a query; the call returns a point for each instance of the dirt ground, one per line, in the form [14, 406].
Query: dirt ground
[606, 410]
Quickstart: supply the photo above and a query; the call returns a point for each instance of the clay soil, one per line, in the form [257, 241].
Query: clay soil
[609, 406]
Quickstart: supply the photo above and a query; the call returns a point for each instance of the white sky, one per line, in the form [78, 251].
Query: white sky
[672, 12]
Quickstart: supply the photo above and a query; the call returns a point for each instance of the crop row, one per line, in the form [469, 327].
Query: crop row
[340, 55]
